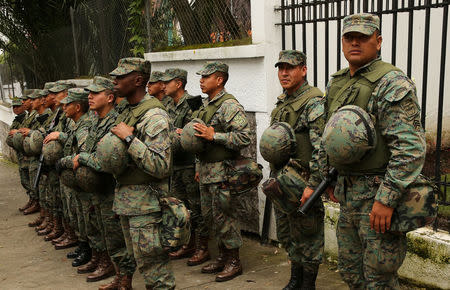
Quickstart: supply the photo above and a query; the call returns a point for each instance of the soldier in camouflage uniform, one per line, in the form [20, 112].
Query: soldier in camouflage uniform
[102, 101]
[182, 183]
[302, 107]
[144, 126]
[369, 190]
[40, 117]
[76, 108]
[226, 132]
[155, 87]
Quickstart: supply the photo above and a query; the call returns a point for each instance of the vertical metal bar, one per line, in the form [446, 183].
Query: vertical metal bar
[410, 36]
[338, 33]
[283, 26]
[425, 63]
[77, 65]
[293, 25]
[441, 95]
[304, 26]
[327, 45]
[394, 32]
[365, 6]
[379, 12]
[352, 6]
[315, 42]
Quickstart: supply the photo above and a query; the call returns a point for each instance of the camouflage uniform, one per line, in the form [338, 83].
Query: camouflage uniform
[182, 183]
[368, 259]
[303, 236]
[78, 202]
[110, 227]
[232, 133]
[157, 76]
[137, 202]
[23, 170]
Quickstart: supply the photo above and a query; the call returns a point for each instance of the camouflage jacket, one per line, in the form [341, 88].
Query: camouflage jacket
[396, 110]
[121, 106]
[18, 120]
[180, 114]
[151, 152]
[100, 127]
[312, 118]
[74, 139]
[167, 101]
[29, 119]
[231, 117]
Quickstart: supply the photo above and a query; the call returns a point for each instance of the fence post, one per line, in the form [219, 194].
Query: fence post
[77, 65]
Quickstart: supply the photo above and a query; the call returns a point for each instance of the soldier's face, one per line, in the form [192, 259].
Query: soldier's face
[210, 83]
[18, 110]
[27, 104]
[360, 49]
[155, 88]
[125, 85]
[35, 103]
[59, 97]
[100, 100]
[70, 110]
[171, 87]
[50, 100]
[291, 76]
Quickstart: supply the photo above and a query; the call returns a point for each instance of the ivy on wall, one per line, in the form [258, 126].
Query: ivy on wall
[136, 27]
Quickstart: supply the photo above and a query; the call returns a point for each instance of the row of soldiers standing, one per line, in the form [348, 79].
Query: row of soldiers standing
[370, 109]
[116, 225]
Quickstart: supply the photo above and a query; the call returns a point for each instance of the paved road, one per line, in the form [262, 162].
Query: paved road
[27, 262]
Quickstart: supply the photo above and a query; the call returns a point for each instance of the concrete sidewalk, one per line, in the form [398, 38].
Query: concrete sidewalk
[26, 261]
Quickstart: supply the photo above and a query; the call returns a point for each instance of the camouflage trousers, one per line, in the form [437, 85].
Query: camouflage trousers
[54, 194]
[367, 260]
[112, 234]
[142, 238]
[43, 190]
[184, 187]
[32, 170]
[91, 221]
[23, 173]
[220, 215]
[302, 236]
[73, 210]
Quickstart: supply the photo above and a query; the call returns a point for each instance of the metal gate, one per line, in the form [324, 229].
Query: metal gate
[299, 15]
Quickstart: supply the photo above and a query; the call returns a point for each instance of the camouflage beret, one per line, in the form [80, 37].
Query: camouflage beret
[156, 76]
[292, 57]
[174, 73]
[130, 64]
[364, 23]
[100, 84]
[212, 67]
[75, 94]
[60, 86]
[16, 102]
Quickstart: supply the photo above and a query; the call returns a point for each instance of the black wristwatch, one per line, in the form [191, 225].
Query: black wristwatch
[129, 139]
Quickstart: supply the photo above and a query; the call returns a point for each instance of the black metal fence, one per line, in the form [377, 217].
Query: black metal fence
[297, 17]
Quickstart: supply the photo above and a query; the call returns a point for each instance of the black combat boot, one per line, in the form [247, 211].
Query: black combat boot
[296, 277]
[84, 256]
[309, 277]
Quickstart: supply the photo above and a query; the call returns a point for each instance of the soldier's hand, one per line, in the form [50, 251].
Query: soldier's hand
[197, 177]
[122, 130]
[178, 131]
[204, 131]
[12, 132]
[24, 131]
[51, 137]
[380, 217]
[75, 162]
[330, 191]
[306, 195]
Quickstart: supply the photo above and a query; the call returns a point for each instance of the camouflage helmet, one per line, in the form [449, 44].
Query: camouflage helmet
[189, 141]
[175, 219]
[52, 152]
[112, 154]
[18, 142]
[67, 178]
[278, 143]
[348, 135]
[88, 179]
[36, 139]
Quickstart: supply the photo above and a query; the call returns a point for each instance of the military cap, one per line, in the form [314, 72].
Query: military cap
[26, 93]
[156, 76]
[35, 94]
[292, 57]
[130, 64]
[75, 94]
[174, 73]
[47, 86]
[16, 102]
[61, 86]
[364, 23]
[100, 84]
[212, 67]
